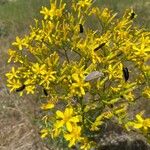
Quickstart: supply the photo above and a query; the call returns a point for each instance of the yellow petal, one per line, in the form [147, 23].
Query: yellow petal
[72, 142]
[75, 119]
[47, 106]
[44, 133]
[67, 137]
[59, 114]
[68, 112]
[137, 125]
[69, 126]
[139, 118]
[147, 122]
[82, 91]
[59, 124]
[75, 77]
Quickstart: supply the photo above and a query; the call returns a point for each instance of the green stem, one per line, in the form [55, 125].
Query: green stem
[82, 111]
[67, 56]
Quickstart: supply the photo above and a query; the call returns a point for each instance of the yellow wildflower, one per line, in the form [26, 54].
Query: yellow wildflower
[20, 43]
[115, 71]
[47, 106]
[139, 123]
[146, 92]
[12, 54]
[129, 96]
[95, 126]
[86, 144]
[53, 11]
[74, 136]
[30, 81]
[84, 3]
[44, 133]
[14, 84]
[66, 118]
[141, 50]
[105, 15]
[13, 74]
[47, 78]
[78, 85]
[46, 12]
[30, 89]
[39, 69]
[55, 132]
[100, 120]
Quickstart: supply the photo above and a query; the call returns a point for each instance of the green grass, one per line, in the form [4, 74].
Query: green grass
[20, 14]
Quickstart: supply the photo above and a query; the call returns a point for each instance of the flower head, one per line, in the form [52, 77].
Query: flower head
[66, 118]
[73, 136]
[20, 43]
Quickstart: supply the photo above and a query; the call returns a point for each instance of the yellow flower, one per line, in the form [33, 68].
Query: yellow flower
[30, 81]
[111, 71]
[66, 118]
[99, 120]
[27, 74]
[74, 136]
[78, 85]
[44, 133]
[115, 89]
[141, 50]
[86, 144]
[55, 132]
[47, 106]
[14, 84]
[20, 43]
[95, 126]
[12, 54]
[146, 92]
[95, 58]
[129, 96]
[115, 71]
[84, 3]
[47, 78]
[105, 15]
[53, 10]
[141, 122]
[45, 11]
[13, 74]
[30, 89]
[39, 69]
[15, 56]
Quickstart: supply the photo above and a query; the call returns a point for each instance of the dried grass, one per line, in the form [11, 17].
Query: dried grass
[16, 129]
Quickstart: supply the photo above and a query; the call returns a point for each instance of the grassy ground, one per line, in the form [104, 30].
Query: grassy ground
[19, 14]
[17, 131]
[17, 114]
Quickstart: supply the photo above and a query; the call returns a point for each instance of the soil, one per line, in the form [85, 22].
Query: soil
[17, 129]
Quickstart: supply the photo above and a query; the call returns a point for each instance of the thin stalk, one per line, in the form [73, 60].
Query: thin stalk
[67, 56]
[82, 111]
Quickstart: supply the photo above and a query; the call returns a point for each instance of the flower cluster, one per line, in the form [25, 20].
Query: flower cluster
[141, 124]
[87, 74]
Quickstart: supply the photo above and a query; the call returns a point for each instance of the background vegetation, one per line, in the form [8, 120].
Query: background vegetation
[17, 130]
